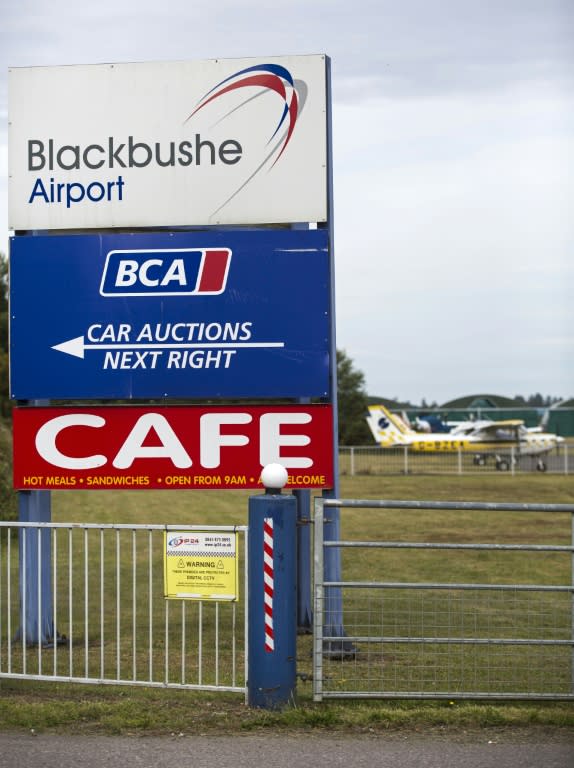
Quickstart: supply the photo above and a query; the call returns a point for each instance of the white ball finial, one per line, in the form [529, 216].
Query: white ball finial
[274, 477]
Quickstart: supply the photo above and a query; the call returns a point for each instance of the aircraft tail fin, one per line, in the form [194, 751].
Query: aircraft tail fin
[387, 428]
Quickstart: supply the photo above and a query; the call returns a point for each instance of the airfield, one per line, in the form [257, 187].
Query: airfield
[480, 433]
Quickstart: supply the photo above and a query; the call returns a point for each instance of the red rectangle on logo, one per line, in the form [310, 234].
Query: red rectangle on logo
[213, 271]
[191, 447]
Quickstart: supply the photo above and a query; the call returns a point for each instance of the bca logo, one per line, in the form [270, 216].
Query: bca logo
[166, 272]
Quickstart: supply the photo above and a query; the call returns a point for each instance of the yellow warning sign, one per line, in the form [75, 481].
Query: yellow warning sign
[200, 565]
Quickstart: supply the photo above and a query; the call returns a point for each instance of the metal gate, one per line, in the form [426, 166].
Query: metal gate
[489, 627]
[111, 621]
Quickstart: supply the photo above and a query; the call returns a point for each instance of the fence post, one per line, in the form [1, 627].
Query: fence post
[272, 599]
[318, 599]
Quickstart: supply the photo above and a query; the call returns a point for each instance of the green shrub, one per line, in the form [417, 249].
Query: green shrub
[8, 497]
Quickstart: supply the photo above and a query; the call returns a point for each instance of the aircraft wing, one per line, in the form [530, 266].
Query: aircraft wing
[499, 430]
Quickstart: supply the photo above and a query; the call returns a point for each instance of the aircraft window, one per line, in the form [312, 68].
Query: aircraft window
[505, 434]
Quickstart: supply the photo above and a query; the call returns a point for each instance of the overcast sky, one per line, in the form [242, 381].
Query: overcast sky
[453, 127]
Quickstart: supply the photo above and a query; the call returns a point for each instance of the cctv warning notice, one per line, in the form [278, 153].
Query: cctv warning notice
[173, 447]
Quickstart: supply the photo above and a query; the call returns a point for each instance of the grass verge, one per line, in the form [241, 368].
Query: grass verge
[104, 710]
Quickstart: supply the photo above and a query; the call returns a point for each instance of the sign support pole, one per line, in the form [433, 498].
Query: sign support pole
[35, 567]
[304, 603]
[331, 532]
[35, 564]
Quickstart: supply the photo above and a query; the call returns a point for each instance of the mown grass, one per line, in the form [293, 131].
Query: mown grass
[74, 708]
[66, 708]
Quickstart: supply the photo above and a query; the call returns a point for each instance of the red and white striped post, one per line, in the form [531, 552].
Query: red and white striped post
[272, 599]
[268, 582]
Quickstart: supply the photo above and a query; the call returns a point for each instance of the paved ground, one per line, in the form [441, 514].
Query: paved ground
[265, 751]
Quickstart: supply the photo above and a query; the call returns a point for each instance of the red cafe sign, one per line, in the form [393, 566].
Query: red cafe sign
[171, 447]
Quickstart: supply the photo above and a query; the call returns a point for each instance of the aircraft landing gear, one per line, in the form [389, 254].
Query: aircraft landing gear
[541, 465]
[502, 465]
[478, 460]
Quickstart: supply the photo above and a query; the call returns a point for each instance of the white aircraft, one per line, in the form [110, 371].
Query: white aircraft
[504, 441]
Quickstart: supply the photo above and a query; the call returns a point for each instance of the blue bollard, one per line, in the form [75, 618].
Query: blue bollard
[272, 599]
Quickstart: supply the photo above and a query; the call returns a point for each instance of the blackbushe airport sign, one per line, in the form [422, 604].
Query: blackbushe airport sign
[168, 144]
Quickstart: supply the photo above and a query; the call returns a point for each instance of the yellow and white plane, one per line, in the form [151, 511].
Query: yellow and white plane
[504, 441]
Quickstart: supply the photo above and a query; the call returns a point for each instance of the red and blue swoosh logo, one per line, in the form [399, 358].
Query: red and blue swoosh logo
[268, 77]
[264, 78]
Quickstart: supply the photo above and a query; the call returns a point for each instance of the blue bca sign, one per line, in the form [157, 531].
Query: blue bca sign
[182, 314]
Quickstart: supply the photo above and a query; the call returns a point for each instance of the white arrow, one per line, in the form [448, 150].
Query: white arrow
[77, 347]
[73, 347]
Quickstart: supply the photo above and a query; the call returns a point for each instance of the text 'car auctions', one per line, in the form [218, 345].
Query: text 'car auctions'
[135, 447]
[168, 144]
[188, 314]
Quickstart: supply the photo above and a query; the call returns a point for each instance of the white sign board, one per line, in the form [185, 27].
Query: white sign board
[232, 141]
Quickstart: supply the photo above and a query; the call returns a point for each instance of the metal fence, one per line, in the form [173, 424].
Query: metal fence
[374, 460]
[111, 621]
[498, 622]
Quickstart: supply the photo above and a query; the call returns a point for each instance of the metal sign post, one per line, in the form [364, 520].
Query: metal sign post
[35, 553]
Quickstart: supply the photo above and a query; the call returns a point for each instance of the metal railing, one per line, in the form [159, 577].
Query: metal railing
[374, 460]
[110, 622]
[499, 623]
